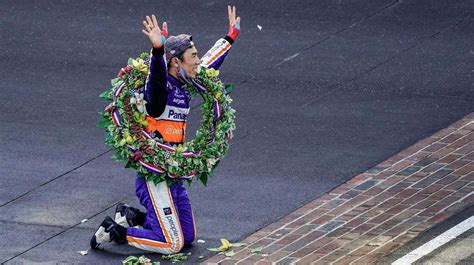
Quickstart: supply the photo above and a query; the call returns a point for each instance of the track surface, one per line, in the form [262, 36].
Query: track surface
[324, 91]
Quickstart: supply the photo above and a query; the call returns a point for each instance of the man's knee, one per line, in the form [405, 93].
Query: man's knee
[175, 242]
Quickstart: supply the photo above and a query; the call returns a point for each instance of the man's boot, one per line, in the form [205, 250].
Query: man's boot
[109, 231]
[127, 216]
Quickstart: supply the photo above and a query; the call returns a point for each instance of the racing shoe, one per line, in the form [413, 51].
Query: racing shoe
[127, 216]
[108, 231]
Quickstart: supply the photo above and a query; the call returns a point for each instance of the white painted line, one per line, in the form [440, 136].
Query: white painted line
[288, 58]
[291, 57]
[435, 243]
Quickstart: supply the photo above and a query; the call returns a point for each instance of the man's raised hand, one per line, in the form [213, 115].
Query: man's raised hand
[152, 30]
[234, 23]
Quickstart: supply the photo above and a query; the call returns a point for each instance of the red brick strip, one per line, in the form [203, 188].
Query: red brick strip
[377, 211]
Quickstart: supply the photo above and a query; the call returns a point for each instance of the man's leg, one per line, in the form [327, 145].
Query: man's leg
[185, 213]
[165, 235]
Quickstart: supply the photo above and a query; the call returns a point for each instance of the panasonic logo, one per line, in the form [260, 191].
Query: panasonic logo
[174, 115]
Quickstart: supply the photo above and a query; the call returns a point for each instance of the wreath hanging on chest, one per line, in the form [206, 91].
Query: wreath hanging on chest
[124, 121]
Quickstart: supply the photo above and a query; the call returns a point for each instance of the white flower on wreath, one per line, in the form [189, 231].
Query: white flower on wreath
[139, 101]
[210, 163]
[172, 162]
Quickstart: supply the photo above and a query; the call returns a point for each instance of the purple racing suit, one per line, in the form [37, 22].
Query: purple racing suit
[169, 223]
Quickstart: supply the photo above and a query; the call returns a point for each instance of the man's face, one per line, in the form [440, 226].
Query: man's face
[190, 62]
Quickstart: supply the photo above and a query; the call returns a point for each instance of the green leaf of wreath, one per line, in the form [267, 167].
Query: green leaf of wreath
[106, 96]
[104, 123]
[229, 88]
[204, 179]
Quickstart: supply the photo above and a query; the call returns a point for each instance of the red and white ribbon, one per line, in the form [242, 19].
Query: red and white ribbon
[189, 154]
[119, 90]
[152, 168]
[116, 119]
[217, 110]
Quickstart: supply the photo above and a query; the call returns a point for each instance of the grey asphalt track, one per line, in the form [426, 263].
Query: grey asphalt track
[325, 90]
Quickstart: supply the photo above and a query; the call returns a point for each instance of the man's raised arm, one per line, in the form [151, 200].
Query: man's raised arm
[216, 55]
[155, 88]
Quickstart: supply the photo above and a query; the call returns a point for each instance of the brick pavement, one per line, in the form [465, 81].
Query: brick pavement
[375, 212]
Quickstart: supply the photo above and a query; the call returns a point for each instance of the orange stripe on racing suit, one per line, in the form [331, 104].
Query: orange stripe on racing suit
[171, 131]
[171, 124]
